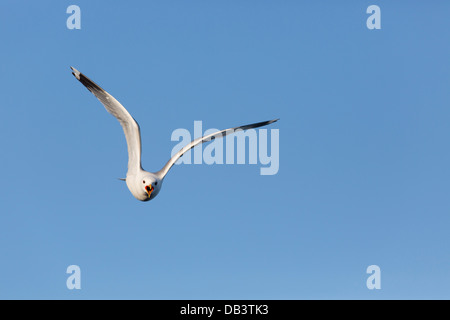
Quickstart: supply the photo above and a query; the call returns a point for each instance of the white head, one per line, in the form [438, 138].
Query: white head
[145, 186]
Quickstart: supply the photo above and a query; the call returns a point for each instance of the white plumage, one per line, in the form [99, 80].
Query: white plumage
[145, 185]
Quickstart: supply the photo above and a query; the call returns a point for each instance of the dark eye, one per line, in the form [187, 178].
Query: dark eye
[156, 183]
[143, 181]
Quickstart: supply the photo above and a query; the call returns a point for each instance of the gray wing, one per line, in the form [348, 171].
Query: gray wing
[218, 134]
[129, 125]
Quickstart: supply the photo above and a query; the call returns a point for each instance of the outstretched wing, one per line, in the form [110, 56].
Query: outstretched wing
[218, 134]
[129, 125]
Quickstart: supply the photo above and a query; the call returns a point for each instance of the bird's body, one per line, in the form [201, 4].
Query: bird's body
[142, 184]
[140, 181]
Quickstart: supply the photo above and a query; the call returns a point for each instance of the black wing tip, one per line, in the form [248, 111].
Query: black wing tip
[75, 73]
[256, 125]
[265, 123]
[88, 83]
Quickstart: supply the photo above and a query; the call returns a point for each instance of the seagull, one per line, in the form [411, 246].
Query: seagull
[142, 184]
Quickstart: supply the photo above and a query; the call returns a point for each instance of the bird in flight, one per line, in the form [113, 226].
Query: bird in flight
[142, 184]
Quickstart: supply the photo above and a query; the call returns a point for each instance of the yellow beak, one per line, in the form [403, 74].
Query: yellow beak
[149, 190]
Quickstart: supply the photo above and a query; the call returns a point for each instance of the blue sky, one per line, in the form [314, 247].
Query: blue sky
[364, 157]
